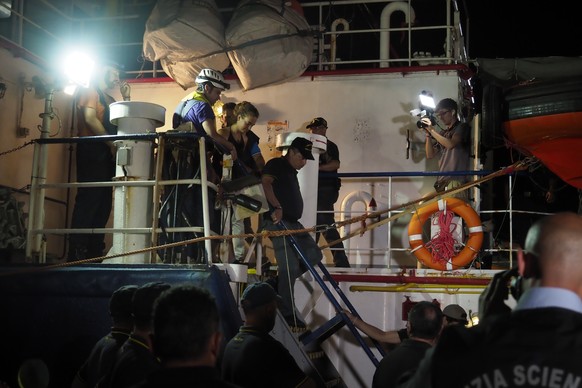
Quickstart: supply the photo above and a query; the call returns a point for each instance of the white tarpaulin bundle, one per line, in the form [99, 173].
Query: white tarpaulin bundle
[185, 36]
[269, 42]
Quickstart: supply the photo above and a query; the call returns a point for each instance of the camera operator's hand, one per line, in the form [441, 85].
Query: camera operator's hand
[427, 123]
[492, 300]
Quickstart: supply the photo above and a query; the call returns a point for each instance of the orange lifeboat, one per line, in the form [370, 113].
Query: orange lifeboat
[544, 119]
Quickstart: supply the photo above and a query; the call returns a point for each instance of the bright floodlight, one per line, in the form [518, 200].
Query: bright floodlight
[78, 68]
[426, 100]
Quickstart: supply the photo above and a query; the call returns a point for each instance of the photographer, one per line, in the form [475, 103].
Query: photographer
[452, 144]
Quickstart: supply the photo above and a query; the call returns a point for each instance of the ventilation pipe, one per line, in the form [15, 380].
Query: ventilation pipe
[346, 209]
[402, 6]
[333, 46]
[132, 204]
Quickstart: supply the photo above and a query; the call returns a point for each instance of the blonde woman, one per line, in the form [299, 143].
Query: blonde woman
[250, 161]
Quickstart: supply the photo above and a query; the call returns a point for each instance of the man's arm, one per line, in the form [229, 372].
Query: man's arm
[389, 337]
[210, 129]
[90, 116]
[447, 143]
[125, 91]
[431, 131]
[259, 161]
[267, 181]
[329, 160]
[429, 145]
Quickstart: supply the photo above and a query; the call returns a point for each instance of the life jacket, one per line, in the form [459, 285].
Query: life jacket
[184, 107]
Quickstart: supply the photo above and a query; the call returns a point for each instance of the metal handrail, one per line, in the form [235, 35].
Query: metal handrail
[156, 183]
[451, 52]
[510, 250]
[34, 231]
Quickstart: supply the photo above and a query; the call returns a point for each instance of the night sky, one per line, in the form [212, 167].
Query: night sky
[519, 29]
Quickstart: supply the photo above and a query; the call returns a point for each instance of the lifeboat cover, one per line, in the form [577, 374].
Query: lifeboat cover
[269, 42]
[185, 36]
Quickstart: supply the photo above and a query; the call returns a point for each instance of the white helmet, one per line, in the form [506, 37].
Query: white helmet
[212, 76]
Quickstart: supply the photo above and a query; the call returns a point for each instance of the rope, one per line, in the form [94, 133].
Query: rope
[442, 245]
[412, 206]
[407, 208]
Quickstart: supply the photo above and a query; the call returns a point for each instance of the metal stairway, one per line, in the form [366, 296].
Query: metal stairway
[305, 347]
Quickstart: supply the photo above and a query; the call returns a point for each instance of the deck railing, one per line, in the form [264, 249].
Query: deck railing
[392, 181]
[391, 38]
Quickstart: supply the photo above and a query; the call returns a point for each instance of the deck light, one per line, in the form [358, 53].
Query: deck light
[426, 101]
[427, 107]
[78, 69]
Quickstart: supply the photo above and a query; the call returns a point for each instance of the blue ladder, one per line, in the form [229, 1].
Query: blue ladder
[333, 325]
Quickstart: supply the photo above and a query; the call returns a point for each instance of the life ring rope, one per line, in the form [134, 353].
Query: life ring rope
[450, 261]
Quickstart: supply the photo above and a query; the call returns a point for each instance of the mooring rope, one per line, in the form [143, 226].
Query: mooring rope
[407, 208]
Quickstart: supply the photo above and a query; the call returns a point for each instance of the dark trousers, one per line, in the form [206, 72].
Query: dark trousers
[289, 264]
[92, 204]
[326, 198]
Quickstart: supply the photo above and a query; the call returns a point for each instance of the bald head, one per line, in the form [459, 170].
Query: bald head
[555, 247]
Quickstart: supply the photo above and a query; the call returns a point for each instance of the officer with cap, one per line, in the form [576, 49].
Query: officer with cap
[253, 345]
[328, 192]
[455, 315]
[102, 356]
[286, 204]
[135, 359]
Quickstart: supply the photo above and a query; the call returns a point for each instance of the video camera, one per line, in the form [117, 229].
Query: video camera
[427, 106]
[423, 114]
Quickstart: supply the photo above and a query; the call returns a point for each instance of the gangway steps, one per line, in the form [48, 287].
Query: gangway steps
[341, 319]
[311, 359]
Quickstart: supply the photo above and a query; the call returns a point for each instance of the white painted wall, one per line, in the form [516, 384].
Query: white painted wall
[368, 116]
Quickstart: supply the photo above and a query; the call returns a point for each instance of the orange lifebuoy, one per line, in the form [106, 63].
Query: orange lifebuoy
[472, 246]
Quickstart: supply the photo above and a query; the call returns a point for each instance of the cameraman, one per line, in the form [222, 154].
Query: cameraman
[452, 143]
